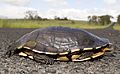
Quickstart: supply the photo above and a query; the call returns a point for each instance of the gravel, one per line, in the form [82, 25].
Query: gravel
[109, 64]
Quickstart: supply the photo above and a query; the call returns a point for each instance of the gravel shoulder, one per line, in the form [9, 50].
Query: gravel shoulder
[109, 64]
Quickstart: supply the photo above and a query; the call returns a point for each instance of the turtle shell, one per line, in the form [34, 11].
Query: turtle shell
[60, 43]
[61, 40]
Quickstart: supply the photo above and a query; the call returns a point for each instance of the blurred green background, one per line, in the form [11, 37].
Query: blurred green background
[28, 23]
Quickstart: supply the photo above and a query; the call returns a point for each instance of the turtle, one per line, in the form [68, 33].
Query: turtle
[46, 45]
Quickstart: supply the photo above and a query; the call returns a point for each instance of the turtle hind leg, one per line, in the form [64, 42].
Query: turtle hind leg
[43, 59]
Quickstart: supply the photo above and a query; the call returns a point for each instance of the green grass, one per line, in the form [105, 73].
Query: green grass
[12, 23]
[117, 27]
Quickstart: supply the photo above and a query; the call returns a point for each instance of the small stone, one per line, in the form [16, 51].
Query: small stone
[50, 71]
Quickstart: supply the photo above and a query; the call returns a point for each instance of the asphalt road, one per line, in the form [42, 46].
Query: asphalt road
[108, 64]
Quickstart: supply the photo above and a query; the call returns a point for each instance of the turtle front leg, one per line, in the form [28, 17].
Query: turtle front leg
[43, 59]
[13, 49]
[10, 52]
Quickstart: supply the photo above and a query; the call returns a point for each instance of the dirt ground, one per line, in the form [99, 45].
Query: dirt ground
[108, 64]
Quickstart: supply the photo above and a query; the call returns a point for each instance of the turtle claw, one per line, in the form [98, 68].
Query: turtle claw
[9, 53]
